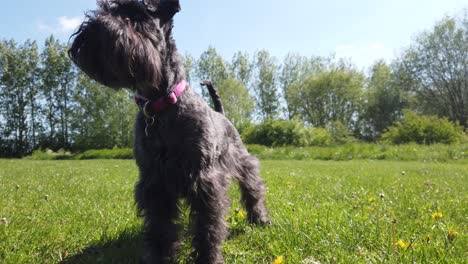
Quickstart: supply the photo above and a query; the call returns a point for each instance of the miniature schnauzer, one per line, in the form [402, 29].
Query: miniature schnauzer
[183, 148]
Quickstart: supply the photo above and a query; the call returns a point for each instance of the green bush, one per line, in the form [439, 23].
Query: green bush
[423, 130]
[48, 154]
[340, 133]
[362, 151]
[87, 155]
[125, 153]
[319, 137]
[276, 133]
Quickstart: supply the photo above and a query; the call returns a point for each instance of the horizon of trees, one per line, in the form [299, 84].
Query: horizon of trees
[46, 102]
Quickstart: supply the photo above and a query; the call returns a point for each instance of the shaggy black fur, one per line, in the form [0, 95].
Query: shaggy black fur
[190, 151]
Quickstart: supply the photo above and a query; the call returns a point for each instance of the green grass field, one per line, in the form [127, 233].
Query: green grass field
[326, 211]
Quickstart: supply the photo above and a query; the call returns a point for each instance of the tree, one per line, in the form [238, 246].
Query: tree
[265, 88]
[333, 94]
[91, 124]
[51, 61]
[58, 77]
[295, 69]
[32, 59]
[438, 60]
[384, 101]
[238, 103]
[122, 116]
[241, 68]
[189, 65]
[17, 83]
[13, 98]
[211, 66]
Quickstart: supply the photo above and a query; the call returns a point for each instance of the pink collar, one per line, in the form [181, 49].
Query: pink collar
[162, 103]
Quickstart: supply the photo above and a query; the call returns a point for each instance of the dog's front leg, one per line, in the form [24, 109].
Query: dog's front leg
[209, 203]
[160, 212]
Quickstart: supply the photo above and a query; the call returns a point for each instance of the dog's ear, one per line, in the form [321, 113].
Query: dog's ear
[163, 9]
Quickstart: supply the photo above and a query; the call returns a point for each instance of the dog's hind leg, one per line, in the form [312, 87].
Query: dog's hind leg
[252, 189]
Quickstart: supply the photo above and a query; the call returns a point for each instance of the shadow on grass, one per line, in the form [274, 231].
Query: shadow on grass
[126, 248]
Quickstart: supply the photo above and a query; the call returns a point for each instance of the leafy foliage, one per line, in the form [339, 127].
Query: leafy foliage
[333, 94]
[238, 103]
[211, 66]
[265, 81]
[384, 101]
[47, 104]
[360, 151]
[49, 154]
[125, 153]
[286, 133]
[423, 130]
[437, 61]
[116, 153]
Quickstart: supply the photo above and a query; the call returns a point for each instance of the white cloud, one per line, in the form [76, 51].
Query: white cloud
[63, 25]
[68, 24]
[364, 55]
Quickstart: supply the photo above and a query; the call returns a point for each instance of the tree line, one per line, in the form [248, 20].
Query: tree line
[46, 102]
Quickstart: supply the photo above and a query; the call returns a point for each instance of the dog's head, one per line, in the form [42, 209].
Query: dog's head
[124, 43]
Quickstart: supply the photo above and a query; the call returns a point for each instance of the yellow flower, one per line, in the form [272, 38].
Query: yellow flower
[452, 234]
[240, 214]
[279, 260]
[437, 215]
[402, 244]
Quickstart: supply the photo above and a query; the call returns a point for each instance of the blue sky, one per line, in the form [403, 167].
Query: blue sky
[362, 30]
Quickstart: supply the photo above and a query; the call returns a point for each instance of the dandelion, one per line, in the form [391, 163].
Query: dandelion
[402, 244]
[452, 234]
[240, 214]
[278, 260]
[437, 215]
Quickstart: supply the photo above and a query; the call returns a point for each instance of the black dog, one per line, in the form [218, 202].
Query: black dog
[183, 148]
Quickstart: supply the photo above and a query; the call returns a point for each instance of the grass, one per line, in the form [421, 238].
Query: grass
[327, 211]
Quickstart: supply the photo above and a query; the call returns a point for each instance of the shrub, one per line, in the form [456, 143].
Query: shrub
[340, 133]
[286, 133]
[48, 154]
[319, 137]
[125, 153]
[423, 130]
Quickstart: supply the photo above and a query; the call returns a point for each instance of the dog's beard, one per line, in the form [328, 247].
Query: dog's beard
[118, 47]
